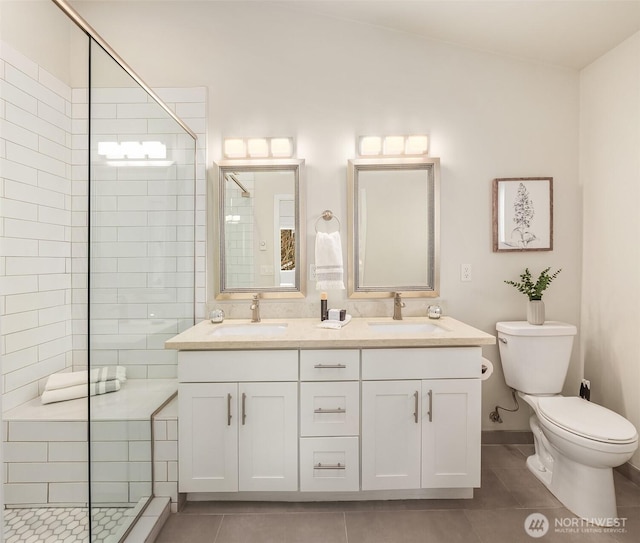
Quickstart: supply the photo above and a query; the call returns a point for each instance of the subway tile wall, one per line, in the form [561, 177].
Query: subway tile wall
[36, 162]
[141, 265]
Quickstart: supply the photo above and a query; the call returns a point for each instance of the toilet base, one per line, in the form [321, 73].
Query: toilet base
[587, 492]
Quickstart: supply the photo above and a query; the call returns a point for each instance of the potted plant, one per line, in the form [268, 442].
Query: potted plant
[534, 291]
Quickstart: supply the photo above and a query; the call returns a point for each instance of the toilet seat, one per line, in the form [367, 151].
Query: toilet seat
[586, 419]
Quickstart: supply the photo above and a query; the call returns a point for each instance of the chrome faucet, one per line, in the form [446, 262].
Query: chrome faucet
[398, 304]
[255, 309]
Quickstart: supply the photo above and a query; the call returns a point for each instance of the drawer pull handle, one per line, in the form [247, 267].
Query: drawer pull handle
[430, 413]
[330, 366]
[330, 466]
[228, 409]
[244, 408]
[416, 396]
[337, 410]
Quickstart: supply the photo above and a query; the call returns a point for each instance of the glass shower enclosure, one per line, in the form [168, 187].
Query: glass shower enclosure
[141, 279]
[98, 178]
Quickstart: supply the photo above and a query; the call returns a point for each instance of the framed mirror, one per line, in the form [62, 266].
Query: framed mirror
[259, 229]
[394, 238]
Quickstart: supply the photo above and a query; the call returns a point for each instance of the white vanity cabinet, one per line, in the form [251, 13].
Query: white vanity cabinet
[238, 413]
[417, 432]
[340, 423]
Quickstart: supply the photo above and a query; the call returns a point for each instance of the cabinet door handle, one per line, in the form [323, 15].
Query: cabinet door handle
[228, 409]
[336, 410]
[244, 408]
[430, 412]
[330, 366]
[416, 396]
[329, 466]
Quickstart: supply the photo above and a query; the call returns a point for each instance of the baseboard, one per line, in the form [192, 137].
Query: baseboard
[630, 472]
[507, 437]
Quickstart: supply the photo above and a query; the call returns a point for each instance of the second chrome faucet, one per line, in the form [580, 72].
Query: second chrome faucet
[398, 304]
[255, 308]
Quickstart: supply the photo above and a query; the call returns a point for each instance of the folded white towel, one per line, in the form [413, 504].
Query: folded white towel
[335, 325]
[70, 379]
[79, 391]
[329, 267]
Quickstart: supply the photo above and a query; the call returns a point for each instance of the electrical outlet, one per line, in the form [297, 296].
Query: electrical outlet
[465, 272]
[312, 272]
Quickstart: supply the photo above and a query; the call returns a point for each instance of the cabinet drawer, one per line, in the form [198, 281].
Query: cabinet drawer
[237, 366]
[329, 464]
[330, 365]
[330, 409]
[422, 363]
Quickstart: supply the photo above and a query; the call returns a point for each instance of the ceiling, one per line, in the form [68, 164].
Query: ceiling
[569, 33]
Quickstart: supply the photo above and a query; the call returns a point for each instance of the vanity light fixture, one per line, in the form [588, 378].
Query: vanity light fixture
[393, 145]
[258, 148]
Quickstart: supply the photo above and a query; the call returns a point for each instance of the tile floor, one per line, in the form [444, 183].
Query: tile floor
[63, 524]
[497, 513]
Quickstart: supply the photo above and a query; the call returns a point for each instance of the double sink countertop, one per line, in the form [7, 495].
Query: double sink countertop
[374, 332]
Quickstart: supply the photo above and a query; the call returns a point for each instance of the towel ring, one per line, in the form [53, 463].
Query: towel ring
[327, 215]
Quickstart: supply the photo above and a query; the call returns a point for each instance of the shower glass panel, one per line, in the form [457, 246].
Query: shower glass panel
[141, 282]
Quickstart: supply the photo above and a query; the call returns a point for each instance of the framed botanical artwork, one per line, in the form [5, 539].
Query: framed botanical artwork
[523, 214]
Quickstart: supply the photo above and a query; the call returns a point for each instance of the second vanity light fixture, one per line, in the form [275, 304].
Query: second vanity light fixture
[258, 148]
[393, 145]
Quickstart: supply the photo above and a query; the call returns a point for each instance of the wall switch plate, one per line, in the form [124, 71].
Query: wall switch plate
[465, 272]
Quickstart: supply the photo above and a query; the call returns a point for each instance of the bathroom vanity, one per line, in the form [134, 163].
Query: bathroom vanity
[285, 410]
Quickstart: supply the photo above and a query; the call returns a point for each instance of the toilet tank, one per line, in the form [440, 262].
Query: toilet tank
[535, 358]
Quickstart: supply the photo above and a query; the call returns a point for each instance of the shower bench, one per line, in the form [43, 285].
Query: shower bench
[46, 448]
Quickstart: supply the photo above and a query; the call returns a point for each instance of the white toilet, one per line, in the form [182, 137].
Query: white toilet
[577, 442]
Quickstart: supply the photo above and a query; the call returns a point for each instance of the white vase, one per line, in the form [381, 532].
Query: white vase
[535, 312]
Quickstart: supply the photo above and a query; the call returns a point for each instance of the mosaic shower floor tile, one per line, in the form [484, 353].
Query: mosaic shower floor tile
[64, 524]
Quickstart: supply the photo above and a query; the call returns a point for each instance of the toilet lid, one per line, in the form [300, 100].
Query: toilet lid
[587, 419]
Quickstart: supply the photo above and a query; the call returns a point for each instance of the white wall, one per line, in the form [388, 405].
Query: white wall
[610, 175]
[272, 71]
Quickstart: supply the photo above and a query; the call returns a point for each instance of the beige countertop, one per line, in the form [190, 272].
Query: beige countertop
[305, 333]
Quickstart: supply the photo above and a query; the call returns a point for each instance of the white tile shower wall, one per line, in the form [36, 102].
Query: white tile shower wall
[36, 219]
[143, 236]
[46, 462]
[165, 440]
[43, 224]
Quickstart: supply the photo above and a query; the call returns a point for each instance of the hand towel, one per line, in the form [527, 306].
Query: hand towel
[79, 391]
[70, 379]
[335, 325]
[329, 268]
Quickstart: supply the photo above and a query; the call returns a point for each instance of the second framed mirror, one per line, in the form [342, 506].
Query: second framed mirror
[394, 218]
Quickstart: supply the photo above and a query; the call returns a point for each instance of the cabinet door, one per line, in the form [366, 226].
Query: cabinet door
[451, 433]
[208, 444]
[268, 441]
[390, 435]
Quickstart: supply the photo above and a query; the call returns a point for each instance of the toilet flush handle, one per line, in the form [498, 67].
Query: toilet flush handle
[503, 340]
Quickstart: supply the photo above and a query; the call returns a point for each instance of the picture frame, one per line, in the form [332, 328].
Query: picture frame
[522, 214]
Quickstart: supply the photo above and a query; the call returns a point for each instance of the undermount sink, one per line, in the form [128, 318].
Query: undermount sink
[252, 329]
[404, 327]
